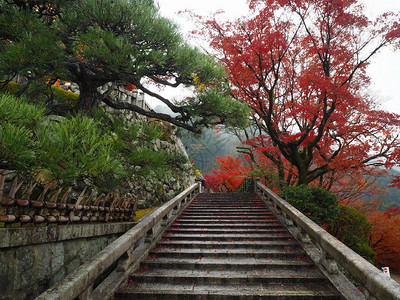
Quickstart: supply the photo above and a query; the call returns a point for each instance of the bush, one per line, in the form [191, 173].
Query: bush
[137, 144]
[353, 229]
[60, 149]
[19, 112]
[11, 87]
[64, 97]
[318, 204]
[105, 149]
[15, 147]
[60, 95]
[76, 147]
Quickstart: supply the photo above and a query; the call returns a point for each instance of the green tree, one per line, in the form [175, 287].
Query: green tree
[94, 42]
[135, 143]
[51, 148]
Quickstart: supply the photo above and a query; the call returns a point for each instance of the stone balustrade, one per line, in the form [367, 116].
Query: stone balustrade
[329, 252]
[134, 97]
[124, 254]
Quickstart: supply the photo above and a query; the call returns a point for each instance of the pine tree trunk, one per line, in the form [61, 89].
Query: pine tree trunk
[88, 97]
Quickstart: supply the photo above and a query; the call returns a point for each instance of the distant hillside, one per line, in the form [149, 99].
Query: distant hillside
[204, 149]
[392, 196]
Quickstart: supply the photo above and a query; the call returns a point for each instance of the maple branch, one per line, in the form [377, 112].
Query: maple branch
[362, 62]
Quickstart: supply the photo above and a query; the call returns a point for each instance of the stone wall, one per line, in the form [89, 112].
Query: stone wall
[32, 259]
[134, 97]
[151, 191]
[154, 191]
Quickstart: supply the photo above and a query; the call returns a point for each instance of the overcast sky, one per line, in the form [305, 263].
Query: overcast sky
[384, 70]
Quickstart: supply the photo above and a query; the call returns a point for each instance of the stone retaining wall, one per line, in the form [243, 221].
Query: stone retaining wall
[150, 191]
[32, 259]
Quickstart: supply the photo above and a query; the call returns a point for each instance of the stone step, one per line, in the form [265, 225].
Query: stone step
[263, 225]
[238, 202]
[228, 237]
[228, 205]
[228, 253]
[227, 208]
[212, 263]
[278, 244]
[243, 230]
[233, 217]
[223, 277]
[233, 209]
[167, 291]
[227, 220]
[226, 213]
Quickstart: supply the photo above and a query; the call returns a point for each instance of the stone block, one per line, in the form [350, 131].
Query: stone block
[8, 271]
[57, 258]
[25, 261]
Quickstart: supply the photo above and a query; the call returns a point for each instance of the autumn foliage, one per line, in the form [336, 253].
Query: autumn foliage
[301, 67]
[385, 237]
[229, 175]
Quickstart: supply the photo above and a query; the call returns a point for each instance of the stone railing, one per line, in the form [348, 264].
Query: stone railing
[328, 252]
[16, 207]
[123, 255]
[246, 186]
[134, 97]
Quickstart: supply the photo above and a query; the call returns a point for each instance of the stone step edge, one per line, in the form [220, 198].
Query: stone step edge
[274, 290]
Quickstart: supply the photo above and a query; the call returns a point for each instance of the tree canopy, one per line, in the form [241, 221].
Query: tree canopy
[93, 42]
[301, 67]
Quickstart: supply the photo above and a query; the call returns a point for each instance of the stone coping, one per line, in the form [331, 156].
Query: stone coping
[377, 283]
[23, 236]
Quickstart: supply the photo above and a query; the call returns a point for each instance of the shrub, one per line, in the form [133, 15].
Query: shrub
[76, 147]
[60, 95]
[353, 229]
[318, 204]
[11, 87]
[64, 97]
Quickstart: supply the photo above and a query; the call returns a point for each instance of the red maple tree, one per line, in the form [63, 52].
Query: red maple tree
[385, 237]
[301, 67]
[229, 175]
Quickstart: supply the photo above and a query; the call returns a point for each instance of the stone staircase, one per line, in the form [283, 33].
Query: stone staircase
[227, 246]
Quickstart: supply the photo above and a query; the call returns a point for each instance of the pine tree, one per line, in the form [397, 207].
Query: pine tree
[94, 42]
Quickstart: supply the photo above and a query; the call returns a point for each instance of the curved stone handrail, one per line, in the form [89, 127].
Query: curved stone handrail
[376, 284]
[80, 282]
